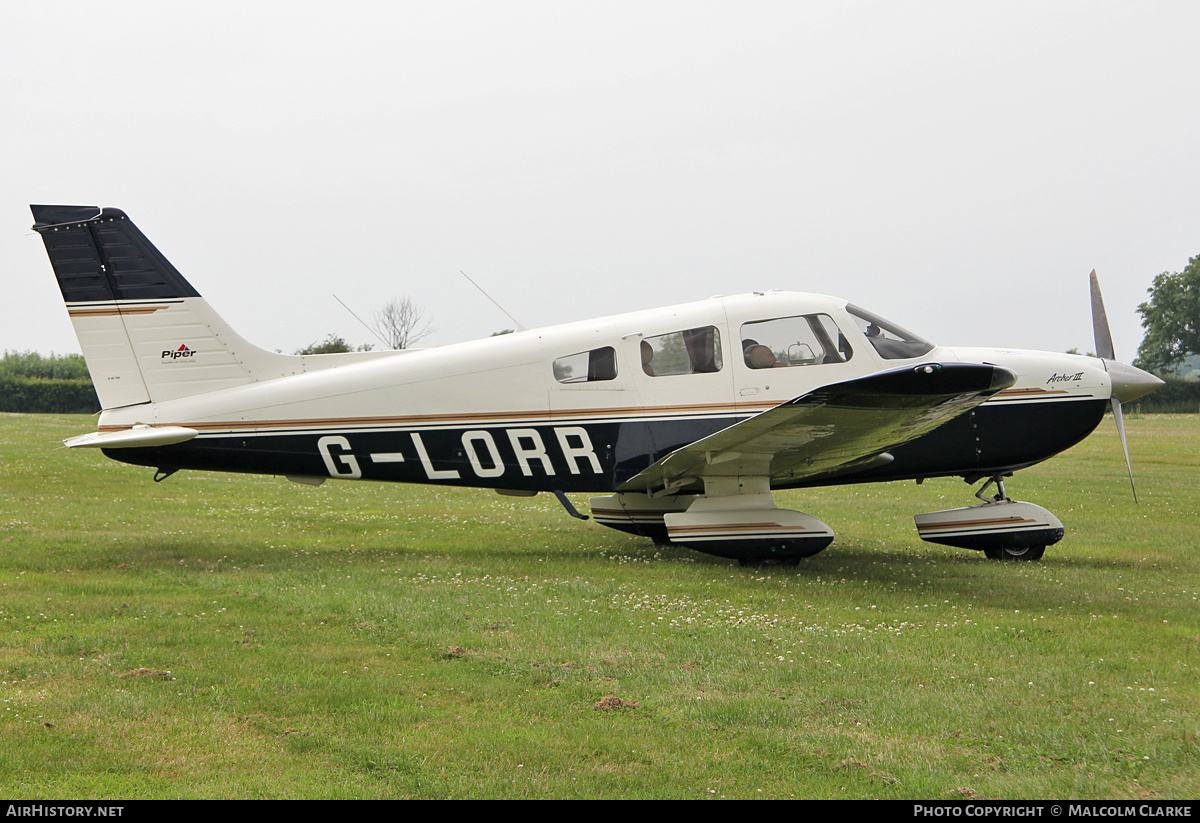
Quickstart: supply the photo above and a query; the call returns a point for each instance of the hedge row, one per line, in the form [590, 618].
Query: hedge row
[36, 394]
[1176, 396]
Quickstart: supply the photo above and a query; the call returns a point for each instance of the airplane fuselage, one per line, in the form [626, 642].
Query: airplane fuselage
[575, 408]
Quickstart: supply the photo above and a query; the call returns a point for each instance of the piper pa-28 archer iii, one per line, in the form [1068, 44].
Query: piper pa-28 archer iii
[681, 420]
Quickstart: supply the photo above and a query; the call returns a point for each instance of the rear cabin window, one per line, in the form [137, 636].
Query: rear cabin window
[809, 340]
[587, 366]
[695, 351]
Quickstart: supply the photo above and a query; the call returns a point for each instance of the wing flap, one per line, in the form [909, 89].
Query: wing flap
[831, 428]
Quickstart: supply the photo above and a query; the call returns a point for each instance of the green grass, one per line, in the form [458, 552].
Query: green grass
[219, 636]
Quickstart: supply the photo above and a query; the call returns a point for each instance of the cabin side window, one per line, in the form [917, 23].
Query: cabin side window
[809, 340]
[587, 366]
[695, 351]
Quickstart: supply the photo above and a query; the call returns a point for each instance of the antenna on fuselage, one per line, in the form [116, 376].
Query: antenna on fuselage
[360, 320]
[517, 322]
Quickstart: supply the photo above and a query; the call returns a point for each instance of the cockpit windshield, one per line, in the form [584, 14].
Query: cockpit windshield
[891, 341]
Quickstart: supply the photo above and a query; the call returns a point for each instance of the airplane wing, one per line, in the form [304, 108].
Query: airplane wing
[834, 429]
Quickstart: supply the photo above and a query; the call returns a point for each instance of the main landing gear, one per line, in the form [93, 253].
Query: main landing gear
[1001, 528]
[735, 518]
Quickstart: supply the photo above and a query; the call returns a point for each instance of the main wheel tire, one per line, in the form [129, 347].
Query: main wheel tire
[1024, 553]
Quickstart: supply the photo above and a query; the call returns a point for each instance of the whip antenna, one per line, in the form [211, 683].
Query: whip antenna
[494, 303]
[360, 320]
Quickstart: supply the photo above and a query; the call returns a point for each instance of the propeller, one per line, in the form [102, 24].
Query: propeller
[1128, 383]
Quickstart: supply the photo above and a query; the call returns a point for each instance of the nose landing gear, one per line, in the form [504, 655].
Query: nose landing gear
[1003, 529]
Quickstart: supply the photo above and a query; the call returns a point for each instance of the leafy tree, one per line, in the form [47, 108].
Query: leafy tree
[1171, 319]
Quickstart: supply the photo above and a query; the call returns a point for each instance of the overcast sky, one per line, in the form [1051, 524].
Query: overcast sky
[957, 167]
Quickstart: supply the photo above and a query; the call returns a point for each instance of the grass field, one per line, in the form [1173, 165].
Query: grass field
[219, 636]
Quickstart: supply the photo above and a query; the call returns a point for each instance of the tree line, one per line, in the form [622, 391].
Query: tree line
[58, 383]
[400, 324]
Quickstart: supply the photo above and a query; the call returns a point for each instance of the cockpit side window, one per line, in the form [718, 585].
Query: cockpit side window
[808, 340]
[891, 341]
[695, 351]
[587, 366]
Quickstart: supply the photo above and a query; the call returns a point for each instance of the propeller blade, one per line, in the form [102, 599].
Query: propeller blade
[1128, 383]
[1100, 330]
[1120, 418]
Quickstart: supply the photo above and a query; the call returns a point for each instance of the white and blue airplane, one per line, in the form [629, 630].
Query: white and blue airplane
[681, 421]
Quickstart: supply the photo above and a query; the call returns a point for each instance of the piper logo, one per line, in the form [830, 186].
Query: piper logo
[182, 351]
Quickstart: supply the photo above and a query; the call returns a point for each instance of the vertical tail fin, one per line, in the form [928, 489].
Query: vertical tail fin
[147, 335]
